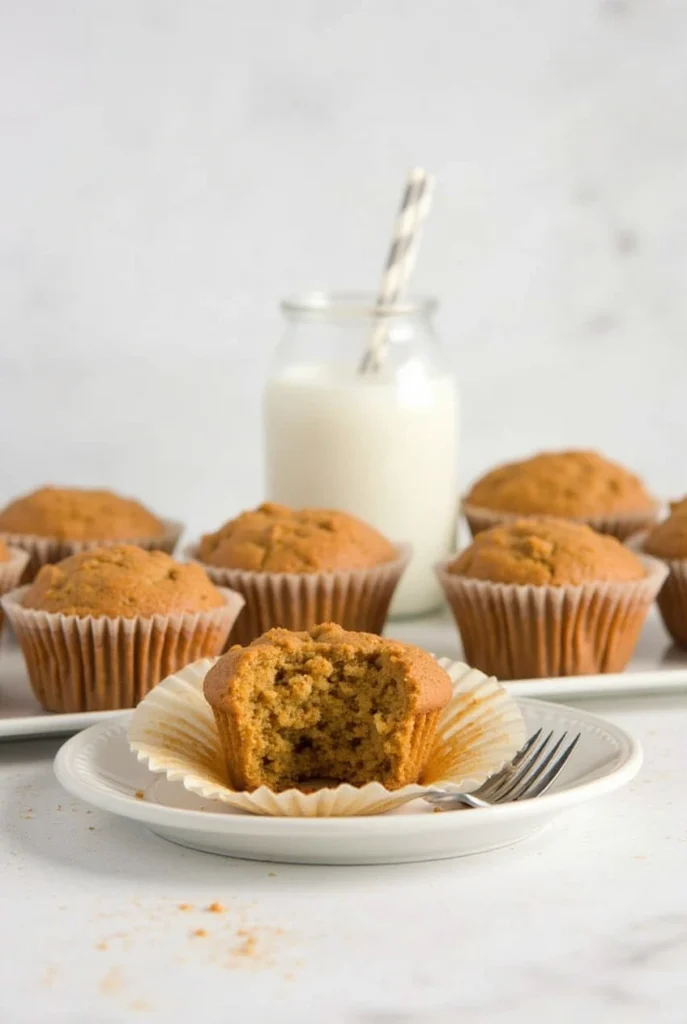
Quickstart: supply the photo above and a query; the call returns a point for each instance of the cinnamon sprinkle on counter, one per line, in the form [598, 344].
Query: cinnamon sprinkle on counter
[215, 908]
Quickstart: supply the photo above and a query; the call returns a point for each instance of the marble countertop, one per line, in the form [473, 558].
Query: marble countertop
[105, 922]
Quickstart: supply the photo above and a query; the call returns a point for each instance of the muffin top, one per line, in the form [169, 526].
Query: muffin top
[274, 538]
[572, 484]
[78, 514]
[669, 538]
[551, 552]
[323, 648]
[4, 552]
[122, 580]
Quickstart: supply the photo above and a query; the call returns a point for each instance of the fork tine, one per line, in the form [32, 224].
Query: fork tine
[528, 778]
[539, 784]
[507, 770]
[507, 780]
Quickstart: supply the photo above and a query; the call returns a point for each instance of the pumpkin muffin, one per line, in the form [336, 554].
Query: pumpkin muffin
[298, 567]
[549, 597]
[102, 627]
[578, 485]
[325, 704]
[668, 541]
[54, 522]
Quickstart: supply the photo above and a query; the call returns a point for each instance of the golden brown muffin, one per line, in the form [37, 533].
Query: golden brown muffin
[669, 538]
[551, 552]
[4, 552]
[326, 704]
[122, 580]
[79, 514]
[274, 538]
[570, 484]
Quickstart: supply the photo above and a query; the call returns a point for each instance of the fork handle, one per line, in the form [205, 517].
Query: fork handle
[449, 801]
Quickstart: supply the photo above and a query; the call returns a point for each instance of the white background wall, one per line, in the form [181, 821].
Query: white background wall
[169, 168]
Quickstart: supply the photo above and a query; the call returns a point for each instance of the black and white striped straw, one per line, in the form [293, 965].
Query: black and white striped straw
[417, 198]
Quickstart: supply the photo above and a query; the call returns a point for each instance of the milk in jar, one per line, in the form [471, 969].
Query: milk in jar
[381, 444]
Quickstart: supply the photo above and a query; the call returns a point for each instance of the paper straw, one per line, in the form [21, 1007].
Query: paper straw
[415, 204]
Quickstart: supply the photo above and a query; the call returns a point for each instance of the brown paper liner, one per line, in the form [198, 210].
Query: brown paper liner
[620, 526]
[103, 664]
[10, 574]
[357, 599]
[44, 550]
[672, 598]
[173, 731]
[516, 631]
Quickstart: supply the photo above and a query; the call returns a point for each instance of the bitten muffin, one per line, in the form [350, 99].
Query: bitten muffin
[549, 597]
[298, 567]
[668, 541]
[55, 522]
[578, 485]
[99, 629]
[325, 704]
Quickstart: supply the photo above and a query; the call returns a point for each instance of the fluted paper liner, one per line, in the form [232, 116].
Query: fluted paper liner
[672, 597]
[619, 525]
[44, 550]
[523, 631]
[174, 732]
[102, 664]
[10, 573]
[357, 599]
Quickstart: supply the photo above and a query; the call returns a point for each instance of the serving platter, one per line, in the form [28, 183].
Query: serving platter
[656, 667]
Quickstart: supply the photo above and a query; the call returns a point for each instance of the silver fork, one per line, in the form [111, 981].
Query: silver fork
[533, 770]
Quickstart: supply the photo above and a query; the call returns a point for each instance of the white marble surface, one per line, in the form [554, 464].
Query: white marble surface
[588, 919]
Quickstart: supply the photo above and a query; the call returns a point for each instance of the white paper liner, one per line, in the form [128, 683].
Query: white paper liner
[11, 572]
[619, 525]
[77, 663]
[44, 550]
[173, 731]
[357, 599]
[524, 631]
[672, 597]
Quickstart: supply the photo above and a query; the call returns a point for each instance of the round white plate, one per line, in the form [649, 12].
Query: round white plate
[97, 766]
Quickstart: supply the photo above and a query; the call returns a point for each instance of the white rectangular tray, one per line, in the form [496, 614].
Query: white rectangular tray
[656, 667]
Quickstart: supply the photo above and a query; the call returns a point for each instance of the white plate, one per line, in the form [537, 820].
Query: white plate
[98, 767]
[656, 667]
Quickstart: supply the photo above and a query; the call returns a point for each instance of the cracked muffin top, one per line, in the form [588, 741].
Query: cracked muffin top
[573, 484]
[122, 580]
[669, 538]
[274, 538]
[552, 552]
[70, 513]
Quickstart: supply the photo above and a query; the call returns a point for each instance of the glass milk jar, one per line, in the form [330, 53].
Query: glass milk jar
[377, 441]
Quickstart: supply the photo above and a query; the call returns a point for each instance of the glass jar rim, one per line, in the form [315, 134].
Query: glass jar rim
[344, 305]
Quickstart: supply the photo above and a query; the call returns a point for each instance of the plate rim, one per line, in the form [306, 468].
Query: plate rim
[231, 821]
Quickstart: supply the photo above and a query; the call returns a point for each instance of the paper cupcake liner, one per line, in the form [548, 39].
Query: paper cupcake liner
[672, 598]
[517, 631]
[102, 664]
[357, 599]
[175, 733]
[620, 526]
[44, 550]
[10, 574]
